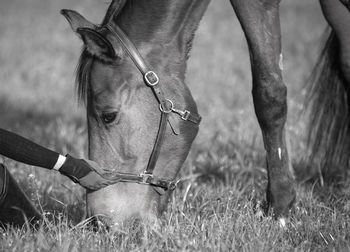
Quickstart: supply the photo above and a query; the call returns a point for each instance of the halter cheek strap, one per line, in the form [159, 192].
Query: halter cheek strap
[166, 107]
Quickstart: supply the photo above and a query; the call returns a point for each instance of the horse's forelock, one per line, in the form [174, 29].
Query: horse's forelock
[83, 76]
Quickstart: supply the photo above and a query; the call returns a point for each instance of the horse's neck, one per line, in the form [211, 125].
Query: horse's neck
[161, 22]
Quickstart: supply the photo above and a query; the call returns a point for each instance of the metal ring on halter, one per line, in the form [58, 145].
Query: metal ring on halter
[167, 111]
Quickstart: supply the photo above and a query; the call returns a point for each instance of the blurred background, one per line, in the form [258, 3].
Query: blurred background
[38, 57]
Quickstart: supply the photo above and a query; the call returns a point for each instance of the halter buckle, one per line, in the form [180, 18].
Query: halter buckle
[145, 176]
[172, 186]
[186, 114]
[151, 78]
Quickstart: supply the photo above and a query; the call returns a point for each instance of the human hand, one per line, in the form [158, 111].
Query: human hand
[86, 173]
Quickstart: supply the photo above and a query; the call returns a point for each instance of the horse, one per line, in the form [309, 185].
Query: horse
[141, 116]
[131, 76]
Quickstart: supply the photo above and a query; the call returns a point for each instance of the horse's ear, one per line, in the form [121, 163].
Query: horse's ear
[76, 20]
[96, 44]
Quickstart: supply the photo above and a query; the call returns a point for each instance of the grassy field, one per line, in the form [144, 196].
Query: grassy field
[215, 212]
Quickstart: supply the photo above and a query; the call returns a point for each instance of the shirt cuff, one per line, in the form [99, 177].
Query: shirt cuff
[60, 161]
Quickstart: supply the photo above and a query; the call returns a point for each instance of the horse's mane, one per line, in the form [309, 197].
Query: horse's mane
[114, 9]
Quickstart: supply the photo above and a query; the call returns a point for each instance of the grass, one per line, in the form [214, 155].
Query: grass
[212, 212]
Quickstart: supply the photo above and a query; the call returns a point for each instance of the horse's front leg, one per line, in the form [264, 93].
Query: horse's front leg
[260, 23]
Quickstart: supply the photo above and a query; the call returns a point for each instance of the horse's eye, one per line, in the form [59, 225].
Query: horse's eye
[108, 118]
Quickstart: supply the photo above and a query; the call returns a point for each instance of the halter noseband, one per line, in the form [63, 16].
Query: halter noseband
[166, 107]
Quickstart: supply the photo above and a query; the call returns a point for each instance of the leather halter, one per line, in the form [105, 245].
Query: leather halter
[166, 107]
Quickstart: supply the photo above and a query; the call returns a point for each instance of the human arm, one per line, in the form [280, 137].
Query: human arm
[23, 150]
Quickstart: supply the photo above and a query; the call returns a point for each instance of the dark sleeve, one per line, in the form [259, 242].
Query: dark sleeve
[23, 150]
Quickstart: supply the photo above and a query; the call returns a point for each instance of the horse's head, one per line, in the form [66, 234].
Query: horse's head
[123, 113]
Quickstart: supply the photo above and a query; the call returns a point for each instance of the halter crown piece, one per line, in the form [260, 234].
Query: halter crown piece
[166, 106]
